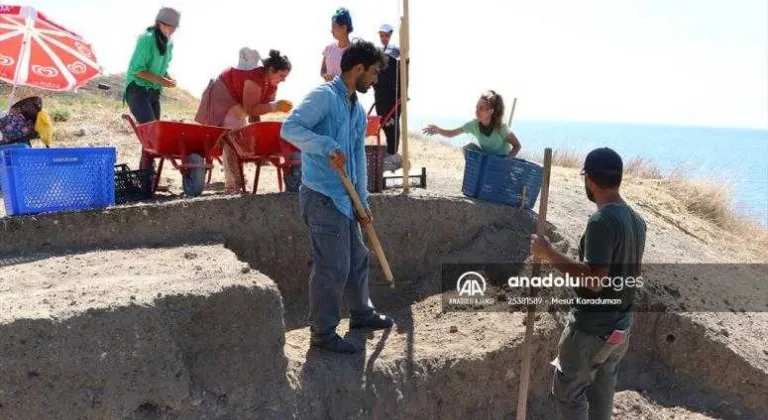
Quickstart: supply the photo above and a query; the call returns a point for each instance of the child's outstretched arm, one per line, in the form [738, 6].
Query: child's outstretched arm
[433, 129]
[512, 139]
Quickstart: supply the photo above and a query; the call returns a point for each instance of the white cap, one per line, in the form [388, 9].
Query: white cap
[386, 28]
[249, 59]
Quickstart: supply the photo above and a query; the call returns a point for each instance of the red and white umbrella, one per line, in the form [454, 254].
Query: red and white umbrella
[35, 51]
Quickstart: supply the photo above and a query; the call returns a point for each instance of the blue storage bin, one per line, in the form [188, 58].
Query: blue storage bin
[10, 146]
[501, 180]
[57, 179]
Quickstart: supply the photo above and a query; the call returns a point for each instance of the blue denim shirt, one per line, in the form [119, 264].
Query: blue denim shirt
[325, 121]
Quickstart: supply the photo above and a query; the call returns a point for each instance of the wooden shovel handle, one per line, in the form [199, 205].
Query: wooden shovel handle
[369, 230]
[541, 228]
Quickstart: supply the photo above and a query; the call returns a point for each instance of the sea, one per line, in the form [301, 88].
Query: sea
[734, 156]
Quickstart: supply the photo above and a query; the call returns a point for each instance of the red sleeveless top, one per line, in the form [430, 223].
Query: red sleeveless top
[235, 79]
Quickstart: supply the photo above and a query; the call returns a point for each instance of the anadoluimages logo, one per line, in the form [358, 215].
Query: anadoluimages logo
[471, 284]
[471, 289]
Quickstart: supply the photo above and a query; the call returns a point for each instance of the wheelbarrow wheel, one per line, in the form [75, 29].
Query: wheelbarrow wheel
[193, 181]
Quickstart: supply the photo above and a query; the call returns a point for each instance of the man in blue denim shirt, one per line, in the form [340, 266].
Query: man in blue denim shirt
[328, 127]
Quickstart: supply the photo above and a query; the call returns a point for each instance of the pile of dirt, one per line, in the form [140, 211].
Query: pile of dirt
[125, 334]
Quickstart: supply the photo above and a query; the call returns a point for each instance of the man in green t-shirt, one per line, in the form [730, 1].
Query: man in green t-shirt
[610, 260]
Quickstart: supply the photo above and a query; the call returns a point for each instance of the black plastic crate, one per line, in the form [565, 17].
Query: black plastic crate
[132, 185]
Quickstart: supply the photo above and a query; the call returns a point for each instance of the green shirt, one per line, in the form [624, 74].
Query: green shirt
[146, 57]
[495, 144]
[615, 237]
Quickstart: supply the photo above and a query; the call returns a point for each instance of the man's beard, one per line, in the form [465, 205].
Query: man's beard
[360, 86]
[590, 196]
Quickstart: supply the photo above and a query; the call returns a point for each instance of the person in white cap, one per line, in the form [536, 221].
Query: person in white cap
[385, 36]
[387, 97]
[235, 98]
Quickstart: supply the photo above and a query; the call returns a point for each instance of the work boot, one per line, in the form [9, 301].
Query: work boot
[336, 344]
[376, 321]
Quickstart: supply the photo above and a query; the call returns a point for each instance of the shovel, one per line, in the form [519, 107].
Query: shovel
[370, 232]
[541, 228]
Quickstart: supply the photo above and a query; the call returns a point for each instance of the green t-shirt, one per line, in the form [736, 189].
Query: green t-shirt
[146, 56]
[615, 237]
[495, 144]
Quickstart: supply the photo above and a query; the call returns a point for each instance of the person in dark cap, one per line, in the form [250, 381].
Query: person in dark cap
[609, 266]
[147, 73]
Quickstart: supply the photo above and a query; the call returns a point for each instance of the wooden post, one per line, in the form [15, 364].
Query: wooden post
[404, 47]
[512, 112]
[541, 228]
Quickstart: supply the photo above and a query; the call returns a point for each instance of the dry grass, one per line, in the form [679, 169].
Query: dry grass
[710, 200]
[96, 113]
[706, 199]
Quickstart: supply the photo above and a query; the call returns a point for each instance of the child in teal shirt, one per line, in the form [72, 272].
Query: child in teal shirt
[493, 136]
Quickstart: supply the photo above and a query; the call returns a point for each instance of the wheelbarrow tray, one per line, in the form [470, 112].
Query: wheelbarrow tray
[245, 141]
[172, 139]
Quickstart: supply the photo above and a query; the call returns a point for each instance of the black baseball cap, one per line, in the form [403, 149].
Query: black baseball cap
[603, 161]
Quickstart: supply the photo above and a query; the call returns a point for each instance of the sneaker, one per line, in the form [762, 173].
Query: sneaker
[336, 345]
[376, 321]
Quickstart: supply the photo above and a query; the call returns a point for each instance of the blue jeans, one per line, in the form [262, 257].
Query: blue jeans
[585, 382]
[339, 265]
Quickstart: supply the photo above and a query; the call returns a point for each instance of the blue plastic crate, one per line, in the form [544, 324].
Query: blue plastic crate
[57, 179]
[10, 146]
[501, 180]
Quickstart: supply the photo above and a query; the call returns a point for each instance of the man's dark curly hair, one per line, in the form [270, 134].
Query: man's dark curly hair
[362, 52]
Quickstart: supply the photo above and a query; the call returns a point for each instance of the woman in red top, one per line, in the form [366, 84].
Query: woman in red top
[239, 96]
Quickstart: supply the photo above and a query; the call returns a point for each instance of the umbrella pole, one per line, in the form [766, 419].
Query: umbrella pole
[404, 41]
[10, 98]
[22, 54]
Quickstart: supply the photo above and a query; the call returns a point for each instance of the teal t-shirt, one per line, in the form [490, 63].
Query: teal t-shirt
[615, 238]
[495, 144]
[146, 57]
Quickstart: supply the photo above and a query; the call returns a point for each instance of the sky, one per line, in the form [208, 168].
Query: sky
[681, 62]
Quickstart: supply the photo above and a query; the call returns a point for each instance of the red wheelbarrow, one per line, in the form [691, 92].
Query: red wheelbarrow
[176, 141]
[260, 143]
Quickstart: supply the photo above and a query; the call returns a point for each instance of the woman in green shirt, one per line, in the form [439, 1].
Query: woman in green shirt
[147, 73]
[494, 137]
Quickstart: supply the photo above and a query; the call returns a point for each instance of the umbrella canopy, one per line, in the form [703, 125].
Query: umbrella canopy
[37, 52]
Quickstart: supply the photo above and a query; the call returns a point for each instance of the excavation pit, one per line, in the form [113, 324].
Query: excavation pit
[196, 309]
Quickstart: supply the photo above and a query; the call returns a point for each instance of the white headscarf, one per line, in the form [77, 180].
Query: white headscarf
[249, 59]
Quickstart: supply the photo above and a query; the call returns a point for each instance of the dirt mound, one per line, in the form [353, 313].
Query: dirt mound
[127, 334]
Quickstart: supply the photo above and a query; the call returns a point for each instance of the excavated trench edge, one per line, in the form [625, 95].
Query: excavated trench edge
[736, 385]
